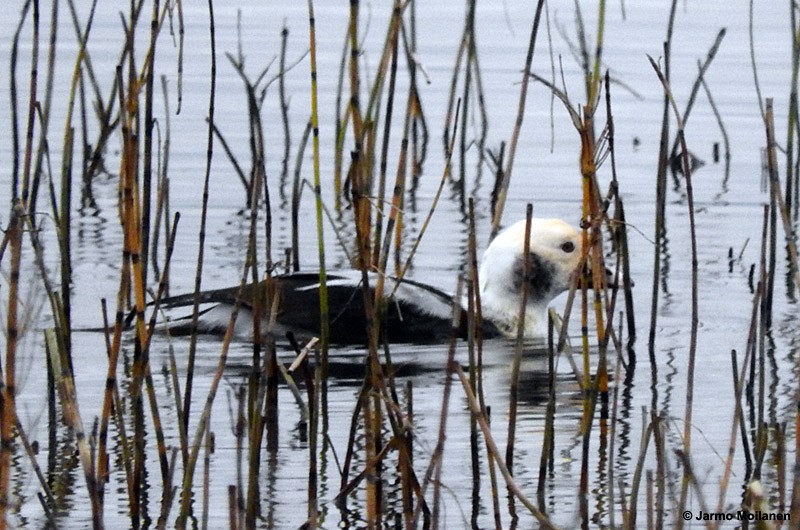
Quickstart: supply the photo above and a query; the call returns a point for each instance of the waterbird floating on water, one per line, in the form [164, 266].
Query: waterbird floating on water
[416, 312]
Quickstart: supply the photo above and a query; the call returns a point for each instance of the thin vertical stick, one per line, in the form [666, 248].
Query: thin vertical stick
[501, 196]
[187, 392]
[687, 432]
[322, 369]
[518, 347]
[8, 410]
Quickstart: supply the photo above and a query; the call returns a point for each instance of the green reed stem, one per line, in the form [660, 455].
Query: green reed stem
[322, 369]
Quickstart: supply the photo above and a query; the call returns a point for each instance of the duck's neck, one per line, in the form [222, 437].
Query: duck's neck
[505, 317]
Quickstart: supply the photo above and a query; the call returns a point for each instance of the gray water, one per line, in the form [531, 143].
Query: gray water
[546, 173]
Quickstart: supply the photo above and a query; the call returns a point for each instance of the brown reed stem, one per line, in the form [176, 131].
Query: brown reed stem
[71, 411]
[475, 409]
[424, 227]
[8, 379]
[32, 98]
[297, 190]
[518, 347]
[512, 150]
[287, 140]
[687, 433]
[435, 467]
[187, 396]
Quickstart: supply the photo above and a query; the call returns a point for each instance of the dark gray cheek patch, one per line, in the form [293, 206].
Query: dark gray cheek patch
[540, 278]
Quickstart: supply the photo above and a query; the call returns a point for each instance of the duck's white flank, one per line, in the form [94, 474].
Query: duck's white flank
[555, 247]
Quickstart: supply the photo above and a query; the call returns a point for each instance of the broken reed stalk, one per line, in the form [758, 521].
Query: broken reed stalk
[297, 189]
[162, 188]
[687, 433]
[702, 68]
[723, 131]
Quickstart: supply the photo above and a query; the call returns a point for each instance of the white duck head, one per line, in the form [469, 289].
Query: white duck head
[555, 253]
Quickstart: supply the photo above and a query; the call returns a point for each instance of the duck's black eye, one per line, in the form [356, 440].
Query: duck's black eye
[568, 247]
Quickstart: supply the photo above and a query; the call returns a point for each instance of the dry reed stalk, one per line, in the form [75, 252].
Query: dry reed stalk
[738, 420]
[187, 396]
[42, 149]
[723, 131]
[15, 142]
[433, 472]
[399, 276]
[467, 48]
[503, 188]
[620, 229]
[687, 433]
[205, 417]
[392, 42]
[517, 361]
[475, 409]
[129, 220]
[782, 209]
[476, 336]
[169, 493]
[395, 213]
[660, 229]
[209, 449]
[702, 69]
[24, 193]
[162, 188]
[233, 518]
[147, 161]
[287, 140]
[69, 404]
[549, 430]
[791, 248]
[615, 422]
[633, 507]
[8, 376]
[792, 196]
[297, 189]
[340, 128]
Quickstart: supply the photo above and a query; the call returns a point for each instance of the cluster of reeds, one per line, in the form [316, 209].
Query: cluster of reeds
[368, 217]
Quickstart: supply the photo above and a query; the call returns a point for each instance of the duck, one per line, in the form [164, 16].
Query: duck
[416, 313]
